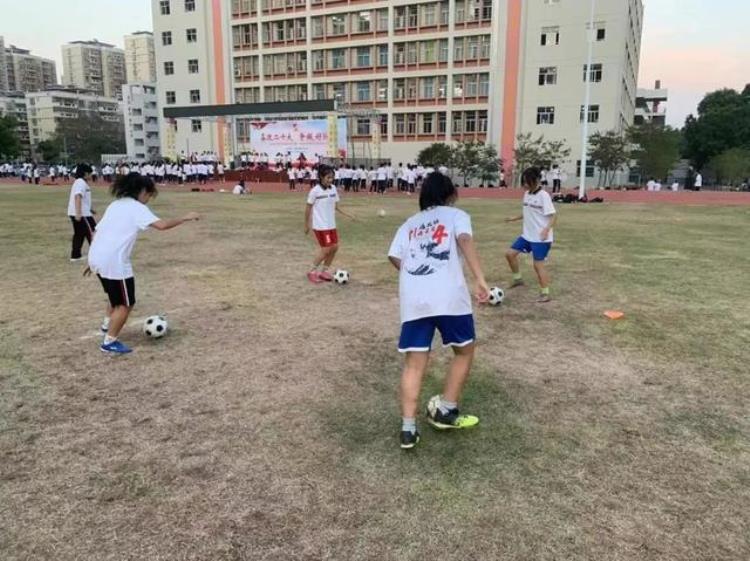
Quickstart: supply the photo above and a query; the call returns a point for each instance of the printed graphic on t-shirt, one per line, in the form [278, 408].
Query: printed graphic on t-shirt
[429, 248]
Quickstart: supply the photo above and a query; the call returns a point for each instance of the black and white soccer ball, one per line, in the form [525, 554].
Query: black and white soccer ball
[433, 405]
[497, 295]
[341, 276]
[155, 327]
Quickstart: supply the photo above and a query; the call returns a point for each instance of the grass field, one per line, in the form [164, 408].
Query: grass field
[265, 425]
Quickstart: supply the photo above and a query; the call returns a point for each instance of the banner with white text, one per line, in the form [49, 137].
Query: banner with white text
[309, 138]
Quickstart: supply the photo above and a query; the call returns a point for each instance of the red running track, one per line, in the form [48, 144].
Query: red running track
[699, 198]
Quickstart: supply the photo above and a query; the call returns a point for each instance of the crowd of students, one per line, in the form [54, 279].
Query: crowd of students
[164, 171]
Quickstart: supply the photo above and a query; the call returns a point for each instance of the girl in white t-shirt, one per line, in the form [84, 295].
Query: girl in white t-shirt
[109, 255]
[429, 250]
[80, 212]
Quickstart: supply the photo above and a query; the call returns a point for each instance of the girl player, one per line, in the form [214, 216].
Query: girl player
[322, 205]
[80, 212]
[109, 255]
[429, 250]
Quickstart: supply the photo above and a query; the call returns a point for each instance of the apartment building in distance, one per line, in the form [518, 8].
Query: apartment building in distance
[20, 71]
[95, 66]
[141, 118]
[140, 61]
[14, 105]
[48, 108]
[435, 71]
[651, 105]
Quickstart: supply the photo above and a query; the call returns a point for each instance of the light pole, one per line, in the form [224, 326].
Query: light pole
[586, 104]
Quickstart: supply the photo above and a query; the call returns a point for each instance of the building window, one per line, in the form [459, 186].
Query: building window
[399, 124]
[545, 116]
[363, 22]
[189, 5]
[470, 123]
[428, 120]
[458, 122]
[364, 91]
[338, 25]
[317, 27]
[601, 33]
[399, 88]
[193, 66]
[411, 16]
[548, 76]
[171, 98]
[382, 20]
[442, 123]
[482, 121]
[169, 68]
[484, 85]
[411, 123]
[550, 36]
[589, 168]
[319, 91]
[363, 57]
[363, 127]
[593, 113]
[411, 53]
[596, 72]
[164, 7]
[338, 58]
[382, 90]
[166, 38]
[429, 15]
[318, 60]
[470, 84]
[192, 35]
[428, 88]
[196, 125]
[195, 96]
[383, 55]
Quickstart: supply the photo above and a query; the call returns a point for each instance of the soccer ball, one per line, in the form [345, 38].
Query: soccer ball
[155, 327]
[432, 405]
[381, 213]
[496, 296]
[341, 276]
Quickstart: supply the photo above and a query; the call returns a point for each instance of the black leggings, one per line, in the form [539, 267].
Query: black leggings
[83, 230]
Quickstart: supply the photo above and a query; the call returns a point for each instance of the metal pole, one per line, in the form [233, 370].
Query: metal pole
[587, 103]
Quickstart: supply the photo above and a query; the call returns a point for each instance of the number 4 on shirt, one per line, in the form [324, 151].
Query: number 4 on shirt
[439, 234]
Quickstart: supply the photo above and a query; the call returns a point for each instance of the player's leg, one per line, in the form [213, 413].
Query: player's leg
[458, 373]
[512, 257]
[415, 366]
[121, 294]
[78, 236]
[543, 276]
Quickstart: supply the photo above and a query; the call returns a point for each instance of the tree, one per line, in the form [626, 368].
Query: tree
[488, 164]
[10, 144]
[655, 148]
[732, 166]
[723, 122]
[436, 154]
[466, 159]
[50, 150]
[89, 136]
[610, 152]
[537, 152]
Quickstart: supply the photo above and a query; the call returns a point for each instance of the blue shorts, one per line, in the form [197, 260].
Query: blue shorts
[539, 250]
[456, 331]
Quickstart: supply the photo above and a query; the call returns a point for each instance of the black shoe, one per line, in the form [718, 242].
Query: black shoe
[409, 439]
[452, 419]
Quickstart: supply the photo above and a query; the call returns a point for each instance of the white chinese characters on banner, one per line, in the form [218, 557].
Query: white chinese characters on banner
[308, 138]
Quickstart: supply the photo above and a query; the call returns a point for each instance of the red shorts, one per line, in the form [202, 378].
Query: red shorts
[327, 238]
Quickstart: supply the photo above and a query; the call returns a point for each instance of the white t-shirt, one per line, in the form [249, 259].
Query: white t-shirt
[238, 189]
[431, 281]
[650, 185]
[698, 180]
[323, 203]
[109, 254]
[80, 187]
[537, 208]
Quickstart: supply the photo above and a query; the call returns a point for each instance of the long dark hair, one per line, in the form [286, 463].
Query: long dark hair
[82, 170]
[132, 185]
[531, 177]
[437, 190]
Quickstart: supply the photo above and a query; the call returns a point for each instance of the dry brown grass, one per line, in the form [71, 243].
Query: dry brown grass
[263, 427]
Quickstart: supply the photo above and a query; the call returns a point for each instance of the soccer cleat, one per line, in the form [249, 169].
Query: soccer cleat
[543, 299]
[517, 282]
[451, 420]
[314, 277]
[115, 347]
[326, 276]
[409, 439]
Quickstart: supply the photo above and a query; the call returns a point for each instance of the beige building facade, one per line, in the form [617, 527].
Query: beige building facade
[94, 65]
[140, 61]
[20, 71]
[415, 72]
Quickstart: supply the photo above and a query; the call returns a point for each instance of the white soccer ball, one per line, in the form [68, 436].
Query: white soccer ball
[155, 327]
[496, 296]
[341, 276]
[432, 405]
[381, 213]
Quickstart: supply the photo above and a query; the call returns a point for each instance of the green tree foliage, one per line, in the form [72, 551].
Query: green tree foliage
[466, 159]
[10, 145]
[531, 151]
[655, 148]
[488, 164]
[87, 137]
[49, 150]
[610, 152]
[732, 166]
[723, 122]
[437, 154]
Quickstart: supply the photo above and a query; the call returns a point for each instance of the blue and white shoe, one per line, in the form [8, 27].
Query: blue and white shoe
[115, 347]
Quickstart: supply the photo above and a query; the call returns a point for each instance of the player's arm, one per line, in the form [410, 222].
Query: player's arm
[308, 214]
[471, 255]
[349, 216]
[395, 261]
[544, 234]
[515, 218]
[79, 203]
[170, 223]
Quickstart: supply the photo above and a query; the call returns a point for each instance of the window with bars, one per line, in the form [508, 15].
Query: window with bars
[545, 116]
[548, 76]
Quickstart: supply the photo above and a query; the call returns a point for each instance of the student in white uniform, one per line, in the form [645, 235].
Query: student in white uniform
[239, 189]
[109, 255]
[80, 212]
[429, 250]
[539, 218]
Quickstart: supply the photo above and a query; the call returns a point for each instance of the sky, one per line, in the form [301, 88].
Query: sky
[692, 46]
